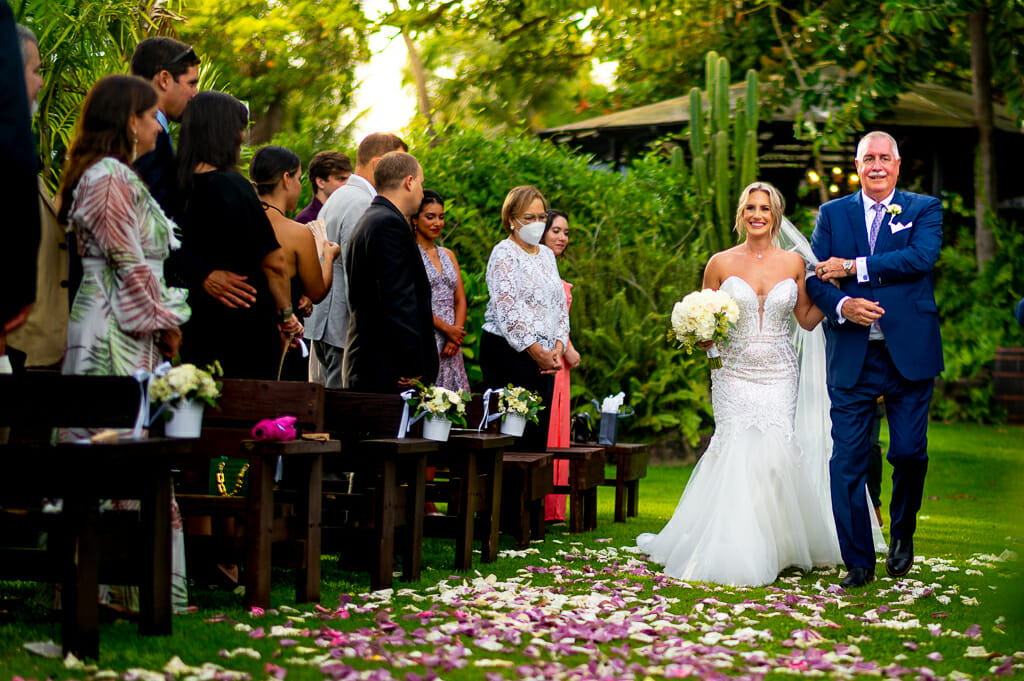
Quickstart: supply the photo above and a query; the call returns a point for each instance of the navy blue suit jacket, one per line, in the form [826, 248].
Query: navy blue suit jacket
[900, 280]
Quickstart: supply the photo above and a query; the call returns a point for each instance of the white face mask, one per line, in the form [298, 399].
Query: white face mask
[531, 233]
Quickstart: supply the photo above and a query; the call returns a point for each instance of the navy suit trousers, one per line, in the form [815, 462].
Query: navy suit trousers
[906, 405]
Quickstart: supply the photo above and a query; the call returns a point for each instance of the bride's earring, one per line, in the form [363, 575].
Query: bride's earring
[135, 146]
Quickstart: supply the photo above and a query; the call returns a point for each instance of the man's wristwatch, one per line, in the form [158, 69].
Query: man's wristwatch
[285, 315]
[847, 266]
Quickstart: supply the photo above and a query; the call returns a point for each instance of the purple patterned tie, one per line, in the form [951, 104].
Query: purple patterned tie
[879, 209]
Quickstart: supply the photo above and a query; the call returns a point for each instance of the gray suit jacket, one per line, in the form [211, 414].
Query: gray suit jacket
[341, 212]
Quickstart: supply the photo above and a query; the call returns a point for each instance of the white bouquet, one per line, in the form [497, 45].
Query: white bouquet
[520, 401]
[187, 382]
[442, 402]
[704, 316]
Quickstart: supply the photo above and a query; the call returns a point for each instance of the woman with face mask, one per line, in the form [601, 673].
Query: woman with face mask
[526, 326]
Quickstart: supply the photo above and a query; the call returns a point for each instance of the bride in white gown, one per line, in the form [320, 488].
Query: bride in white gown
[755, 503]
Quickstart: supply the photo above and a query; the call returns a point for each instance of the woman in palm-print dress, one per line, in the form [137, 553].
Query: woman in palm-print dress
[124, 317]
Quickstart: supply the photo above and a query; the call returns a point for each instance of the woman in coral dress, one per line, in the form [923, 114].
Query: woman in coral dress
[556, 237]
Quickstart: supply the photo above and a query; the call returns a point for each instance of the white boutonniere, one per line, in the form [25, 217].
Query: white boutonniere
[894, 209]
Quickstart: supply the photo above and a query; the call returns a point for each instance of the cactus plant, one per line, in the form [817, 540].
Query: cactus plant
[723, 146]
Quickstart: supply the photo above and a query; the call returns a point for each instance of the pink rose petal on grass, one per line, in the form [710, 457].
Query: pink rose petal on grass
[275, 671]
[256, 612]
[935, 656]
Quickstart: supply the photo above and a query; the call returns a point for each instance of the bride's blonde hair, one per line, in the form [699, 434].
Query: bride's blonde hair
[776, 204]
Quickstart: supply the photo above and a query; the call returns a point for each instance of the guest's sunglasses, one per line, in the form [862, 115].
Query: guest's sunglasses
[180, 57]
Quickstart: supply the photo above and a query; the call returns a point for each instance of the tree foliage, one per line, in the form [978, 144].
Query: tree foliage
[510, 65]
[292, 62]
[80, 41]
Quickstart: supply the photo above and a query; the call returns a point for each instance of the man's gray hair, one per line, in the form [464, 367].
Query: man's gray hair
[877, 134]
[25, 36]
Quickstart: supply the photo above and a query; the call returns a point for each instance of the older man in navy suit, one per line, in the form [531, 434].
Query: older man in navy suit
[879, 248]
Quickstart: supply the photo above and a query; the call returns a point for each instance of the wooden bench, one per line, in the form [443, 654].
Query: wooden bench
[387, 489]
[262, 513]
[81, 475]
[469, 480]
[630, 465]
[528, 478]
[586, 474]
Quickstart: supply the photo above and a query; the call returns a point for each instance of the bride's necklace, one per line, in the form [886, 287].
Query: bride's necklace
[757, 254]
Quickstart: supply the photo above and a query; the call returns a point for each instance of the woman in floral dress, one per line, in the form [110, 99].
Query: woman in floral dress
[449, 296]
[124, 317]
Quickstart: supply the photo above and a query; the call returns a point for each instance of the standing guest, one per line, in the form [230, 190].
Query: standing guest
[173, 69]
[526, 326]
[328, 171]
[124, 316]
[448, 297]
[224, 225]
[1019, 312]
[390, 344]
[556, 237]
[328, 324]
[276, 173]
[880, 246]
[42, 337]
[17, 154]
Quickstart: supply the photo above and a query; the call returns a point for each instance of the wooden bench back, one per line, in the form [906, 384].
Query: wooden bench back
[243, 403]
[353, 415]
[48, 400]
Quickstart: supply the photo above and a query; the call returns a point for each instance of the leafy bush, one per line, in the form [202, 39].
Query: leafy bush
[635, 250]
[977, 315]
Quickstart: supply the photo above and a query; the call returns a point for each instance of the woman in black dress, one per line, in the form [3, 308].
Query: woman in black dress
[276, 172]
[224, 227]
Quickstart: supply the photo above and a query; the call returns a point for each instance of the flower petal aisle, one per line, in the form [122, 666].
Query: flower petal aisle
[600, 613]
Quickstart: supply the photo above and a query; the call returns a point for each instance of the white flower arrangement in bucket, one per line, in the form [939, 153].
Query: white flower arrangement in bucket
[183, 391]
[440, 408]
[518, 405]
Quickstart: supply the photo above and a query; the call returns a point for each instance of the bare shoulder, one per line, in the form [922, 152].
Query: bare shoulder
[794, 261]
[719, 266]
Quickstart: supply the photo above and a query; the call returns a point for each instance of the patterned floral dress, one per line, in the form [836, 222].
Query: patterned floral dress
[452, 372]
[121, 305]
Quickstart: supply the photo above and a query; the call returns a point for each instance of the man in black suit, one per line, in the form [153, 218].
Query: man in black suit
[173, 69]
[390, 341]
[18, 190]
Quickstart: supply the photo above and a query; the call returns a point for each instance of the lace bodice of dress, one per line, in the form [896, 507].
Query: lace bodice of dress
[757, 384]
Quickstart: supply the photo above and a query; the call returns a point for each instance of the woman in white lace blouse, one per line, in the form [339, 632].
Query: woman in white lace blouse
[526, 326]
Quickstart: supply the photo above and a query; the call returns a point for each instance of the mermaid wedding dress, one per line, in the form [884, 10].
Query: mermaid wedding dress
[755, 503]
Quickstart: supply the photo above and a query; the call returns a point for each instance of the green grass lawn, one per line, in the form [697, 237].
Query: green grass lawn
[585, 607]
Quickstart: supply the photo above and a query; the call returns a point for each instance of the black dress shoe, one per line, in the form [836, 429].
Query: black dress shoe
[901, 557]
[857, 577]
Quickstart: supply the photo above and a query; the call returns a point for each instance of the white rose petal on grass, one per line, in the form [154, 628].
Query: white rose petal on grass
[977, 652]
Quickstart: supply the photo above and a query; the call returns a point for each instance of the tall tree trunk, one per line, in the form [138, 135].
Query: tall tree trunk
[419, 74]
[266, 125]
[985, 180]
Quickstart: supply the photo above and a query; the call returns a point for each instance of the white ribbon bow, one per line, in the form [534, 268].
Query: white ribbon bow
[406, 424]
[142, 419]
[488, 417]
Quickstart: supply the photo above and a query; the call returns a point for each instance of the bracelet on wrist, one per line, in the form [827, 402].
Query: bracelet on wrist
[285, 315]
